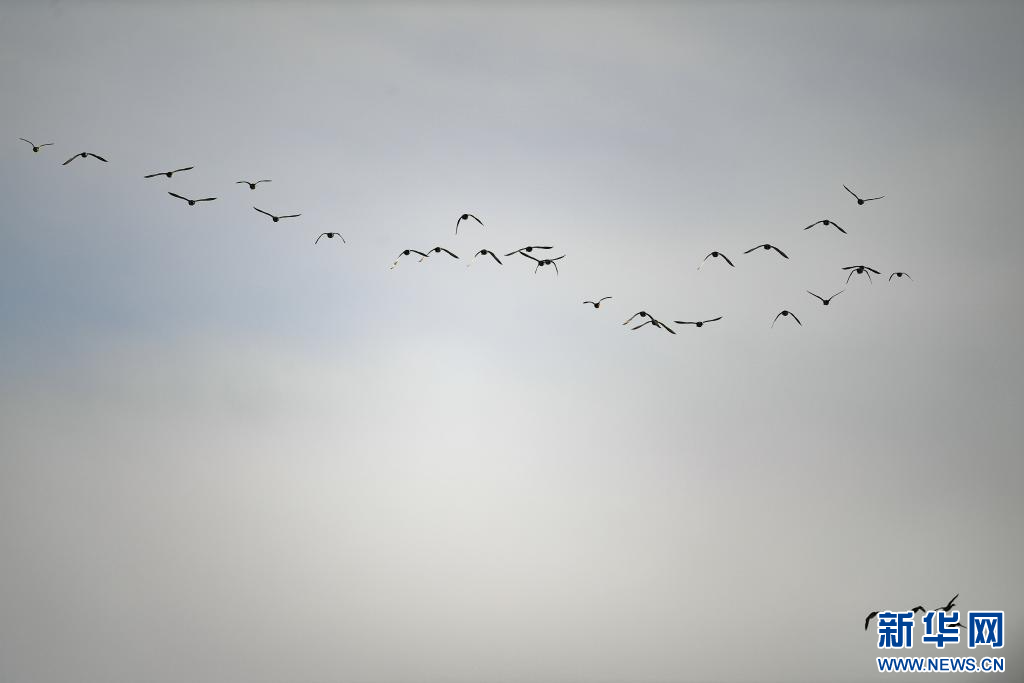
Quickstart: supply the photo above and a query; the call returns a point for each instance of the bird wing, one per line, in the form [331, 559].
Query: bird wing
[658, 323]
[713, 319]
[839, 228]
[850, 267]
[851, 192]
[753, 249]
[324, 233]
[342, 237]
[179, 196]
[206, 199]
[241, 182]
[152, 175]
[849, 276]
[523, 253]
[28, 141]
[782, 253]
[603, 298]
[872, 270]
[891, 277]
[293, 215]
[264, 212]
[796, 319]
[552, 262]
[776, 318]
[187, 168]
[46, 144]
[448, 252]
[630, 319]
[871, 199]
[69, 160]
[727, 259]
[815, 295]
[836, 294]
[96, 156]
[475, 218]
[812, 225]
[265, 180]
[868, 620]
[514, 252]
[646, 322]
[683, 322]
[495, 257]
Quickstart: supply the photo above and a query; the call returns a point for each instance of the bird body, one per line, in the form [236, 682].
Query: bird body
[35, 147]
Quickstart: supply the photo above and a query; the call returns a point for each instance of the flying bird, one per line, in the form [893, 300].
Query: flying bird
[35, 147]
[597, 304]
[484, 252]
[860, 202]
[949, 605]
[168, 174]
[826, 222]
[544, 262]
[277, 218]
[192, 202]
[860, 270]
[786, 314]
[330, 236]
[252, 184]
[656, 323]
[899, 275]
[466, 217]
[526, 249]
[716, 254]
[406, 252]
[698, 323]
[766, 247]
[823, 300]
[868, 620]
[84, 155]
[438, 250]
[917, 609]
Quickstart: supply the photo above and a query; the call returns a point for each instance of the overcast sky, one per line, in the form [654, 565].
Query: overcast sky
[228, 455]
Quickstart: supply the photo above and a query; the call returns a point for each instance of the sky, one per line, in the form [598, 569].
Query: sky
[228, 454]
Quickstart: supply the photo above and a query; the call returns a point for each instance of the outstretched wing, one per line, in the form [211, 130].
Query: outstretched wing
[152, 175]
[781, 253]
[815, 296]
[97, 156]
[28, 141]
[812, 225]
[753, 249]
[796, 319]
[713, 319]
[264, 212]
[630, 319]
[475, 218]
[293, 215]
[448, 252]
[777, 317]
[646, 322]
[324, 233]
[726, 259]
[179, 196]
[872, 270]
[206, 199]
[836, 294]
[495, 257]
[69, 160]
[851, 192]
[871, 199]
[603, 298]
[839, 228]
[179, 170]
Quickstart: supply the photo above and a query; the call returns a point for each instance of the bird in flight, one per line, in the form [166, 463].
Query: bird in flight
[716, 254]
[698, 323]
[868, 620]
[330, 236]
[168, 173]
[786, 314]
[466, 217]
[277, 218]
[192, 202]
[252, 184]
[860, 270]
[917, 609]
[824, 301]
[526, 249]
[406, 252]
[484, 252]
[597, 304]
[438, 250]
[860, 202]
[35, 147]
[656, 323]
[84, 155]
[544, 262]
[826, 222]
[899, 275]
[949, 605]
[766, 247]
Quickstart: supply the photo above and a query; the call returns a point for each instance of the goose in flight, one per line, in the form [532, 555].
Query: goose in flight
[868, 620]
[526, 249]
[192, 202]
[438, 250]
[406, 252]
[484, 252]
[860, 202]
[860, 270]
[597, 304]
[35, 147]
[766, 247]
[168, 174]
[544, 262]
[277, 218]
[252, 184]
[330, 236]
[824, 301]
[899, 274]
[698, 323]
[826, 222]
[84, 155]
[919, 608]
[656, 323]
[716, 254]
[949, 605]
[786, 314]
[466, 217]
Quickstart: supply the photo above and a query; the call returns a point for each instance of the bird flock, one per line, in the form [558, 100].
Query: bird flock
[919, 608]
[538, 255]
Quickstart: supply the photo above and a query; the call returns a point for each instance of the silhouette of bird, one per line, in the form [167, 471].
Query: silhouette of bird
[466, 217]
[597, 304]
[84, 155]
[35, 147]
[786, 314]
[277, 218]
[766, 247]
[860, 270]
[917, 609]
[484, 252]
[544, 262]
[438, 250]
[252, 184]
[642, 314]
[959, 625]
[406, 252]
[169, 173]
[868, 620]
[716, 254]
[656, 323]
[526, 249]
[826, 222]
[899, 275]
[192, 202]
[330, 236]
[860, 202]
[825, 301]
[949, 605]
[697, 323]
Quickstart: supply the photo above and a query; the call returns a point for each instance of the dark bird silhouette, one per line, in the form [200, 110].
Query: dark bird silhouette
[277, 218]
[766, 247]
[466, 217]
[35, 147]
[917, 609]
[526, 250]
[642, 314]
[656, 323]
[826, 222]
[823, 300]
[868, 620]
[406, 252]
[438, 250]
[697, 323]
[597, 304]
[252, 184]
[899, 275]
[330, 236]
[786, 314]
[84, 155]
[192, 202]
[860, 270]
[544, 262]
[949, 605]
[484, 252]
[959, 625]
[860, 202]
[716, 254]
[168, 174]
